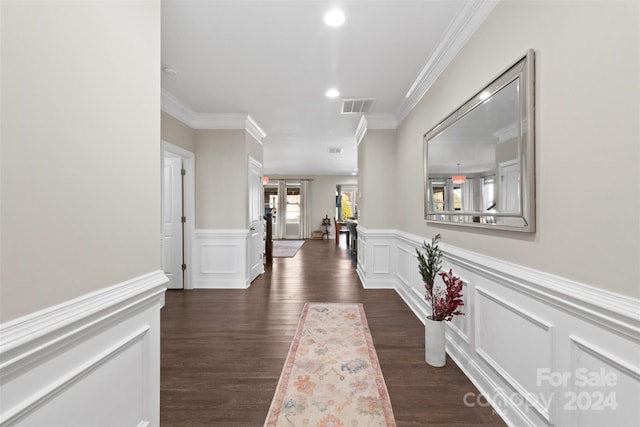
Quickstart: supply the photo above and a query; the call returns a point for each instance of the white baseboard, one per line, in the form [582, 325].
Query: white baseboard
[528, 339]
[72, 364]
[220, 259]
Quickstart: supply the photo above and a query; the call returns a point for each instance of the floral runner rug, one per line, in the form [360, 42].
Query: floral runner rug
[331, 376]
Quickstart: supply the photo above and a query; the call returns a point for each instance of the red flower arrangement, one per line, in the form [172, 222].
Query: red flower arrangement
[446, 301]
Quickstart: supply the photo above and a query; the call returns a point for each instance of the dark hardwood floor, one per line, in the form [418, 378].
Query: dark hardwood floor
[223, 350]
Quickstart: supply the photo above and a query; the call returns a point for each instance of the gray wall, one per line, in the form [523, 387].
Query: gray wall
[177, 133]
[80, 149]
[587, 133]
[221, 171]
[221, 179]
[377, 171]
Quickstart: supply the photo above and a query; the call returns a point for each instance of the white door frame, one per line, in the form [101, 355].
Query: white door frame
[503, 195]
[255, 244]
[188, 162]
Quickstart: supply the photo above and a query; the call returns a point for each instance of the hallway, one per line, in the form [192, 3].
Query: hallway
[222, 351]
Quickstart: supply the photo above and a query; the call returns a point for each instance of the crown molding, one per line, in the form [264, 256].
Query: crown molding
[374, 122]
[171, 105]
[507, 133]
[220, 121]
[254, 130]
[463, 26]
[361, 129]
[381, 121]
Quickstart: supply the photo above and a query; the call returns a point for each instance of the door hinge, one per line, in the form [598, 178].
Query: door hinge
[184, 219]
[183, 172]
[184, 267]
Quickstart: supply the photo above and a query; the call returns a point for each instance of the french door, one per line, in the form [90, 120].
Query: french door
[292, 228]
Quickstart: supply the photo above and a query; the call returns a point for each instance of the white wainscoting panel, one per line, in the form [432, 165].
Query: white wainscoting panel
[527, 338]
[94, 360]
[375, 259]
[381, 256]
[597, 378]
[221, 259]
[506, 346]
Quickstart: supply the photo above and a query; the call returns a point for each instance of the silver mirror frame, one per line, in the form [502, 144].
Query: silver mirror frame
[524, 220]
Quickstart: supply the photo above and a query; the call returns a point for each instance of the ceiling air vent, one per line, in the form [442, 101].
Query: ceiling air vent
[357, 105]
[336, 150]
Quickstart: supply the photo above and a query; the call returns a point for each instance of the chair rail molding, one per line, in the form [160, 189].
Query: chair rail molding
[522, 330]
[72, 363]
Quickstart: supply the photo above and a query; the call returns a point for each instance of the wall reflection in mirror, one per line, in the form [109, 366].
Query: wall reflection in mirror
[479, 167]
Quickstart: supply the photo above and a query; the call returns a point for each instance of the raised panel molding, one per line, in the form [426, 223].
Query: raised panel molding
[595, 379]
[381, 255]
[376, 266]
[221, 259]
[404, 265]
[71, 364]
[508, 351]
[536, 320]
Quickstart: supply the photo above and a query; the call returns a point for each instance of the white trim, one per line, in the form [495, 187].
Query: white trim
[513, 382]
[188, 163]
[220, 259]
[471, 15]
[618, 312]
[50, 327]
[381, 121]
[105, 343]
[603, 308]
[605, 356]
[220, 121]
[254, 130]
[173, 106]
[49, 392]
[557, 310]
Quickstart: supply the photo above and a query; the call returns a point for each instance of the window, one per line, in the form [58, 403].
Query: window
[438, 198]
[293, 203]
[457, 198]
[346, 202]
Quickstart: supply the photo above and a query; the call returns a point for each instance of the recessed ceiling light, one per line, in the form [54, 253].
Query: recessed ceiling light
[334, 18]
[332, 93]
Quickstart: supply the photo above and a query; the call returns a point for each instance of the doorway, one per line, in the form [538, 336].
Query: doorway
[292, 211]
[256, 233]
[288, 203]
[177, 214]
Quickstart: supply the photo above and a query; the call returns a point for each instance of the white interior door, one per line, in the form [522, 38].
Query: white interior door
[172, 226]
[256, 241]
[509, 198]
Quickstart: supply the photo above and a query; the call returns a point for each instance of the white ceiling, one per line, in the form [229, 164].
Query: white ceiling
[274, 61]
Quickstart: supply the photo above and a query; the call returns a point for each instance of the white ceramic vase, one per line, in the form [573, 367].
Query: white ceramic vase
[434, 342]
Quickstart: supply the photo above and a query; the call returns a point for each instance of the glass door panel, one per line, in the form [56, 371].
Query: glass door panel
[292, 218]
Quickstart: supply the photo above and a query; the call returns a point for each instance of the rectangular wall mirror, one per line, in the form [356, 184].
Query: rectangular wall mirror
[479, 161]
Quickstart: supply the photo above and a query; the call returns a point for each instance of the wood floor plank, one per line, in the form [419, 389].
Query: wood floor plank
[222, 351]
